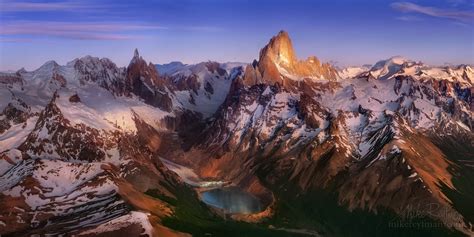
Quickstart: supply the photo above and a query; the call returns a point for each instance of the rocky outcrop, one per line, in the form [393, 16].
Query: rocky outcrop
[11, 79]
[183, 83]
[142, 79]
[55, 137]
[101, 71]
[15, 112]
[58, 80]
[75, 98]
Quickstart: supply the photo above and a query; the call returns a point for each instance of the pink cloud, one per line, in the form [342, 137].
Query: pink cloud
[14, 6]
[76, 30]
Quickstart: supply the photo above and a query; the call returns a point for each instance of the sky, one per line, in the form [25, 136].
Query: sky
[343, 32]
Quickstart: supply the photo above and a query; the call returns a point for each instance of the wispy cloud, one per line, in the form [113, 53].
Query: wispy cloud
[456, 3]
[76, 30]
[105, 21]
[14, 40]
[408, 18]
[23, 6]
[453, 14]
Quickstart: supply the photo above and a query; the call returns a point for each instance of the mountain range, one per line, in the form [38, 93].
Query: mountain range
[93, 149]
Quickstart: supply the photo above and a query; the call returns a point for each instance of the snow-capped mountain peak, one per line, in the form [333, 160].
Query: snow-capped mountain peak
[400, 66]
[395, 60]
[386, 69]
[170, 68]
[48, 66]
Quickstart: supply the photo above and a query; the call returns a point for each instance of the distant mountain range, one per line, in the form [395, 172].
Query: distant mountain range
[326, 150]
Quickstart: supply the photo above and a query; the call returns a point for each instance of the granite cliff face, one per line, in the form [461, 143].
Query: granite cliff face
[278, 63]
[144, 81]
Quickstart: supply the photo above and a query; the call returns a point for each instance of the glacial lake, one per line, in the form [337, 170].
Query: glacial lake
[232, 200]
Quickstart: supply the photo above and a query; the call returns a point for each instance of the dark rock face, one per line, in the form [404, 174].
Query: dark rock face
[143, 80]
[183, 83]
[308, 109]
[208, 87]
[101, 71]
[4, 125]
[215, 67]
[58, 80]
[11, 79]
[15, 112]
[74, 98]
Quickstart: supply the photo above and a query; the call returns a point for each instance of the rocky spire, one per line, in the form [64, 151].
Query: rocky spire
[136, 54]
[279, 49]
[278, 62]
[136, 58]
[143, 80]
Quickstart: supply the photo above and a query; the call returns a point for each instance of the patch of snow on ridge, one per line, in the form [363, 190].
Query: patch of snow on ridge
[395, 60]
[170, 68]
[395, 150]
[62, 182]
[13, 137]
[351, 72]
[413, 175]
[229, 66]
[386, 68]
[78, 113]
[99, 109]
[462, 74]
[62, 177]
[286, 74]
[462, 125]
[204, 101]
[189, 176]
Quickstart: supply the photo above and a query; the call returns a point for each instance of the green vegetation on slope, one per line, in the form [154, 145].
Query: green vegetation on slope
[194, 217]
[460, 151]
[315, 211]
[320, 211]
